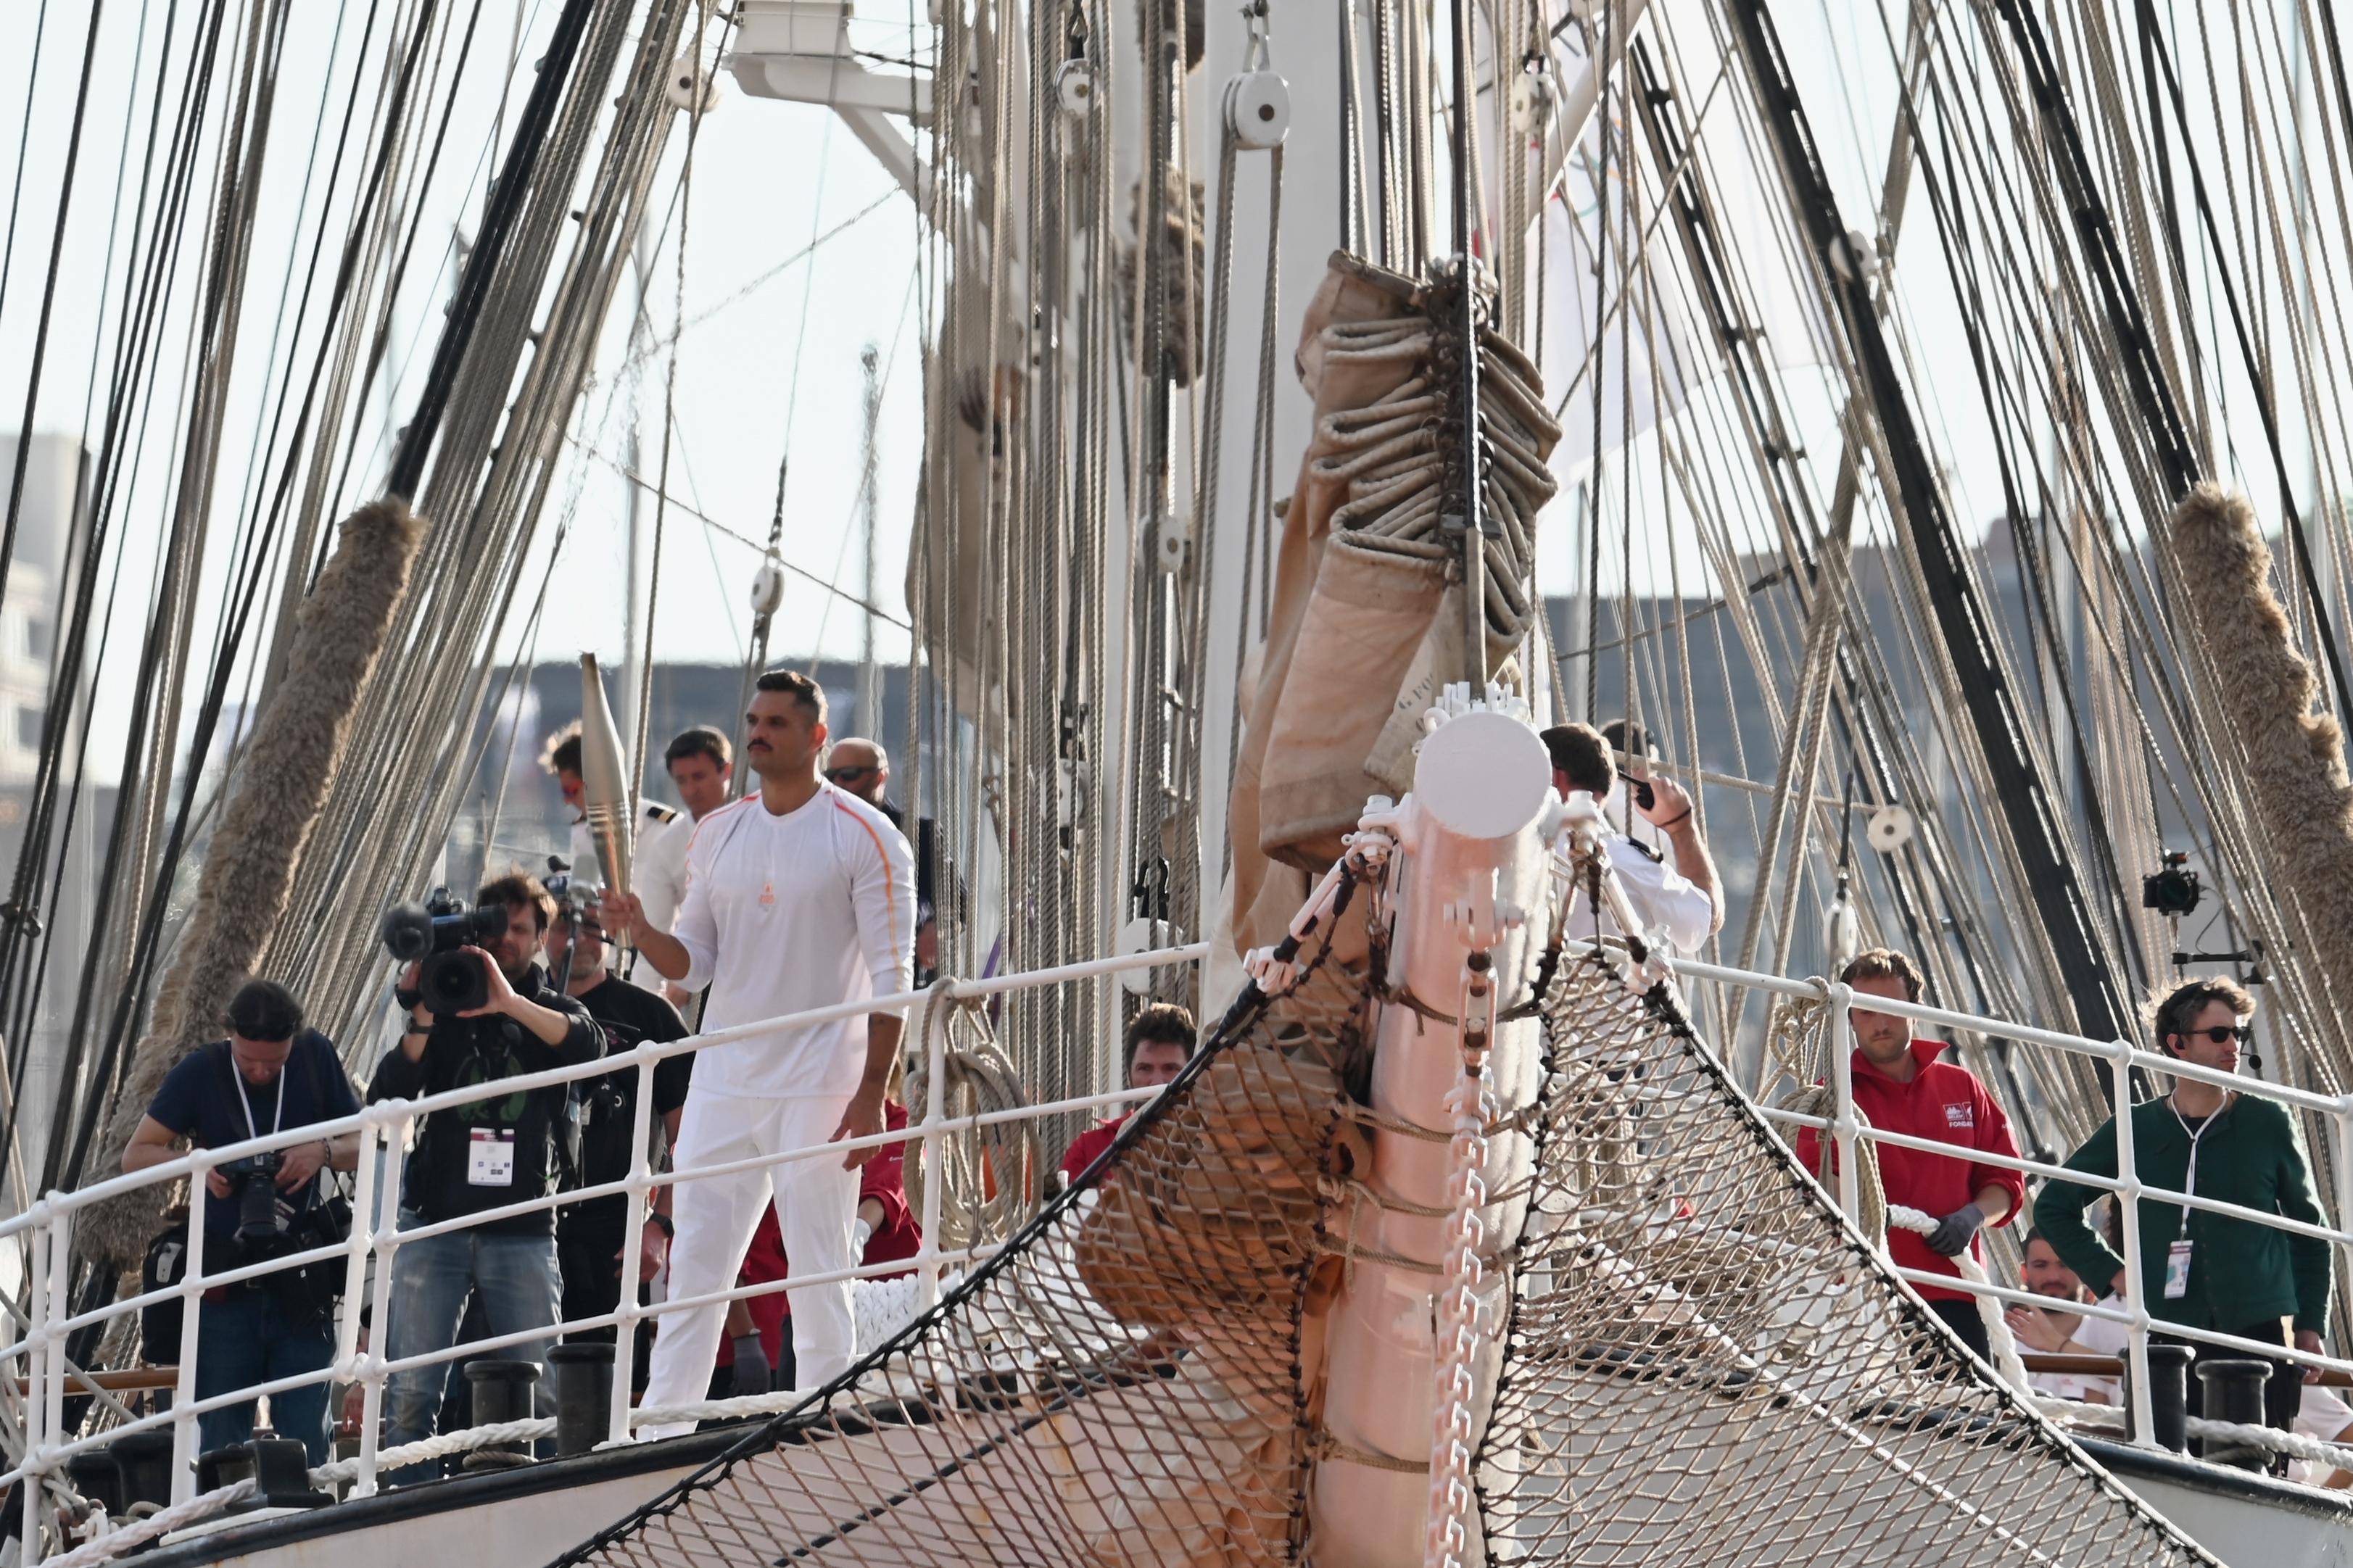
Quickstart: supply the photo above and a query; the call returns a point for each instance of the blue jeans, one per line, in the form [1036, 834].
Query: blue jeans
[248, 1337]
[516, 1279]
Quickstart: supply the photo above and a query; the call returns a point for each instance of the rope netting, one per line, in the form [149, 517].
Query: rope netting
[1702, 1363]
[1121, 1384]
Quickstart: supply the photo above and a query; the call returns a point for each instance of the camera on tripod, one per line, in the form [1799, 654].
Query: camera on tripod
[433, 935]
[2174, 889]
[261, 1217]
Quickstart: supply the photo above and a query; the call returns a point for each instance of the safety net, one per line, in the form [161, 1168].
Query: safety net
[1702, 1363]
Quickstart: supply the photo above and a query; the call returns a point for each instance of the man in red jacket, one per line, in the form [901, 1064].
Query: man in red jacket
[1159, 1041]
[1900, 1085]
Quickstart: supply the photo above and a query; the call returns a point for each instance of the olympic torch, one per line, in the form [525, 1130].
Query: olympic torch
[603, 781]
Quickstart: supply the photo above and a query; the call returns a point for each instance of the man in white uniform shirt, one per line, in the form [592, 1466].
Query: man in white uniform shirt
[657, 846]
[1677, 903]
[798, 897]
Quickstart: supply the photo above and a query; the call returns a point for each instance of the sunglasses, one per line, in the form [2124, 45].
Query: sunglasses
[843, 775]
[2221, 1033]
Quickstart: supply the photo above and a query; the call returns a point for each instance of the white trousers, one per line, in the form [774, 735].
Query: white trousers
[816, 1202]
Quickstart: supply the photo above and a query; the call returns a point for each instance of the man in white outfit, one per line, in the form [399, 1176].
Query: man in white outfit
[798, 897]
[1677, 903]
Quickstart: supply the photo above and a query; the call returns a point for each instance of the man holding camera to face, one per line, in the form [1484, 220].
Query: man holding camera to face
[1676, 902]
[498, 1018]
[270, 1075]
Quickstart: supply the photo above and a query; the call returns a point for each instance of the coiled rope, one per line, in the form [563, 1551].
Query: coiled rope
[985, 1170]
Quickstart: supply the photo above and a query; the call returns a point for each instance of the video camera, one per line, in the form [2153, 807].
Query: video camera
[433, 935]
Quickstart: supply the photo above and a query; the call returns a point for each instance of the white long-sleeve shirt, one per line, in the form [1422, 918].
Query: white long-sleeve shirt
[787, 913]
[1668, 903]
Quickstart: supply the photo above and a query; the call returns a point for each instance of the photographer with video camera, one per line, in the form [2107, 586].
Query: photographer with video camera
[479, 1008]
[270, 1075]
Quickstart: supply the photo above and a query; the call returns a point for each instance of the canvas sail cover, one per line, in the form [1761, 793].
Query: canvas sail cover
[1365, 623]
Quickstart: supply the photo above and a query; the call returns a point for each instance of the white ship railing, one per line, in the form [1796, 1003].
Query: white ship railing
[36, 1354]
[2122, 1056]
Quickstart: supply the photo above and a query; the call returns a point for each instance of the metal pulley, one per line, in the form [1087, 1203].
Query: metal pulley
[1258, 101]
[768, 587]
[1532, 99]
[1258, 108]
[1172, 538]
[1890, 829]
[1075, 88]
[691, 86]
[1841, 930]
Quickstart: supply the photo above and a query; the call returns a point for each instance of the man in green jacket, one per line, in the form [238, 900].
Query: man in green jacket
[2201, 1269]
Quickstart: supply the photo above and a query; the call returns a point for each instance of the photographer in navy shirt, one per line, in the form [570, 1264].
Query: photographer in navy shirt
[270, 1075]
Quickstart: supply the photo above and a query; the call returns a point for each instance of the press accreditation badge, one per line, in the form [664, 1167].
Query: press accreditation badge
[490, 1158]
[2177, 1270]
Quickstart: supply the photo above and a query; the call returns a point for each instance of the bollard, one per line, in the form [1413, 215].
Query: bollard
[2168, 1395]
[97, 1475]
[583, 1395]
[222, 1465]
[503, 1392]
[2234, 1392]
[281, 1473]
[145, 1458]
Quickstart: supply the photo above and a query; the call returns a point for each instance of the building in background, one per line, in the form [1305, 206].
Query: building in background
[49, 521]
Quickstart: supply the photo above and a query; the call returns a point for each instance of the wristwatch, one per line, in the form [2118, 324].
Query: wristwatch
[669, 1228]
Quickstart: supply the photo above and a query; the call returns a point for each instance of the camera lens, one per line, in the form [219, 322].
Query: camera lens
[407, 932]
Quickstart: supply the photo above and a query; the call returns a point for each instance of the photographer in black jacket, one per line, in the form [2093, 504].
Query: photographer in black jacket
[270, 1075]
[591, 1244]
[479, 1156]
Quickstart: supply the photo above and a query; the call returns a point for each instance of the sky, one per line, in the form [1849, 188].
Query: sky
[767, 355]
[768, 333]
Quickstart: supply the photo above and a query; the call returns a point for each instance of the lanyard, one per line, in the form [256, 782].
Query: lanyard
[2189, 1176]
[246, 1103]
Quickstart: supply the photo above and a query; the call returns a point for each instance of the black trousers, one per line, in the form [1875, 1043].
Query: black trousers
[1963, 1319]
[591, 1270]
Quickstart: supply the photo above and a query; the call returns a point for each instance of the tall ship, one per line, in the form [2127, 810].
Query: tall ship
[1301, 441]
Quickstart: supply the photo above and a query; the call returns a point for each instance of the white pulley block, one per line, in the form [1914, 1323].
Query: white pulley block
[1145, 934]
[1890, 829]
[768, 587]
[1258, 108]
[1075, 88]
[1530, 98]
[1842, 933]
[690, 87]
[1171, 539]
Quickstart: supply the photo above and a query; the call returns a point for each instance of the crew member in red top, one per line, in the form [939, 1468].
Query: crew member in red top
[756, 1354]
[1900, 1085]
[1159, 1041]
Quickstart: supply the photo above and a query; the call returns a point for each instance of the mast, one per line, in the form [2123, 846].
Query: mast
[634, 668]
[2029, 809]
[870, 678]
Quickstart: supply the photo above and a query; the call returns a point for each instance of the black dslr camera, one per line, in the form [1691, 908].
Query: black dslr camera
[261, 1218]
[433, 936]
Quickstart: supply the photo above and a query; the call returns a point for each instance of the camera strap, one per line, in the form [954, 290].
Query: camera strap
[244, 1101]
